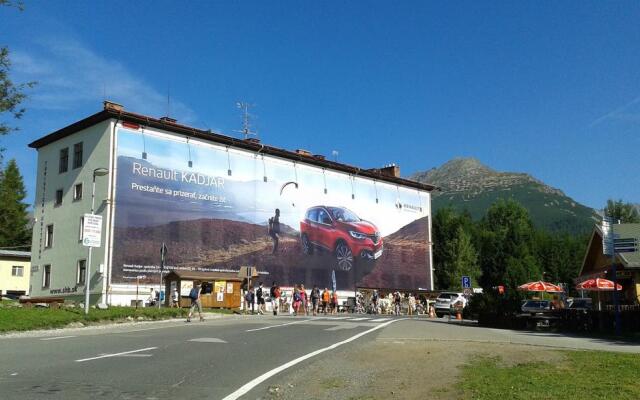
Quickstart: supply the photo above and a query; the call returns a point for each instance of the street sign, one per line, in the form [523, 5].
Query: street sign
[92, 230]
[466, 282]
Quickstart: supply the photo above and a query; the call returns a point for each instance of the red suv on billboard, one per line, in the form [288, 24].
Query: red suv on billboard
[342, 232]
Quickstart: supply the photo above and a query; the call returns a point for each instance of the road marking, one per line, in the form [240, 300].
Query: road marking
[116, 354]
[379, 320]
[255, 382]
[208, 340]
[276, 326]
[57, 337]
[358, 319]
[14, 374]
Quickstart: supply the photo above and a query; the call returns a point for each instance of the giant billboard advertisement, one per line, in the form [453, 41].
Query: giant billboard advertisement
[218, 208]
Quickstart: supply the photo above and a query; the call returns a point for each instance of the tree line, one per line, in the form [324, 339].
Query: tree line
[505, 249]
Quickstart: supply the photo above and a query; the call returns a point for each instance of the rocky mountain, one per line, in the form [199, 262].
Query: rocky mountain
[466, 183]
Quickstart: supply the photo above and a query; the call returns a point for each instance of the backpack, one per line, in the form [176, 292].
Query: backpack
[247, 297]
[193, 294]
[296, 296]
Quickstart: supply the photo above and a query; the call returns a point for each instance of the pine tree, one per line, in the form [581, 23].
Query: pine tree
[14, 230]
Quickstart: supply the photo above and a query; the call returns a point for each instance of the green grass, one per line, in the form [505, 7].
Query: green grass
[24, 319]
[582, 375]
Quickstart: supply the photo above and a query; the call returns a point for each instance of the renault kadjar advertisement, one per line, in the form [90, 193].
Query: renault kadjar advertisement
[219, 208]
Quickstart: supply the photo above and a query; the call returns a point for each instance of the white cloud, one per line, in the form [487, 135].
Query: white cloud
[71, 76]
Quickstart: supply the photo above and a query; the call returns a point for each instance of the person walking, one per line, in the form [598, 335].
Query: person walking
[325, 300]
[295, 300]
[194, 295]
[249, 299]
[303, 299]
[274, 293]
[260, 297]
[315, 298]
[412, 303]
[397, 300]
[175, 298]
[374, 301]
[274, 230]
[334, 302]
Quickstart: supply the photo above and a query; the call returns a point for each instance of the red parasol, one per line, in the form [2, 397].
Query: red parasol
[540, 286]
[598, 284]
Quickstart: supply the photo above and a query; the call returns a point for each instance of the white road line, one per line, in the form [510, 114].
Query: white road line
[208, 340]
[358, 319]
[379, 320]
[116, 354]
[57, 337]
[276, 326]
[255, 382]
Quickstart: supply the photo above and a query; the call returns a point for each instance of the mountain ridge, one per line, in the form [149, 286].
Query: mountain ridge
[468, 184]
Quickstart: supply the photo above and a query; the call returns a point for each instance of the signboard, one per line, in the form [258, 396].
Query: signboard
[223, 207]
[92, 230]
[466, 282]
[218, 288]
[229, 287]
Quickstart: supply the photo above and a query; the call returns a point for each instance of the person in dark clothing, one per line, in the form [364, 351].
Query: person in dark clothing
[315, 298]
[260, 298]
[274, 230]
[275, 297]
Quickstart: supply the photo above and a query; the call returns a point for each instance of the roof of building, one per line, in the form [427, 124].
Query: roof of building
[628, 260]
[204, 276]
[170, 125]
[15, 254]
[627, 231]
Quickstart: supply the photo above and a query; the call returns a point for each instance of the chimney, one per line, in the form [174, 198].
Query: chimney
[169, 120]
[111, 106]
[303, 152]
[388, 170]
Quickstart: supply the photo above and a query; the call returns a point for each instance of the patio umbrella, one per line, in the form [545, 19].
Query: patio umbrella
[598, 285]
[540, 286]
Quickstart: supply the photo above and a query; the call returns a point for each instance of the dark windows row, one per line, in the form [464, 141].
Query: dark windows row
[77, 194]
[81, 274]
[64, 158]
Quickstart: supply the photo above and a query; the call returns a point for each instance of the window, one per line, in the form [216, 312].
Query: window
[312, 215]
[77, 155]
[46, 276]
[17, 270]
[64, 160]
[48, 239]
[82, 272]
[81, 230]
[77, 192]
[59, 194]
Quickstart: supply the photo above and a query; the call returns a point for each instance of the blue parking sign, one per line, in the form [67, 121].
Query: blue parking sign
[466, 282]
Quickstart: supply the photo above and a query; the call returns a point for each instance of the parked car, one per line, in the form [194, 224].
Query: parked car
[340, 231]
[536, 306]
[446, 299]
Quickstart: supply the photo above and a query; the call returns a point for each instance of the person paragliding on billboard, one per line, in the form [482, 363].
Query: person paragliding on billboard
[274, 230]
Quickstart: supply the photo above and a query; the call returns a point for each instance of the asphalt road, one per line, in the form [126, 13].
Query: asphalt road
[221, 358]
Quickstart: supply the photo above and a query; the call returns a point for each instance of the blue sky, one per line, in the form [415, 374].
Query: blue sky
[547, 88]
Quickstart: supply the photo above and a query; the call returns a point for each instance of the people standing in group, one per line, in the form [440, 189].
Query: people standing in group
[274, 230]
[315, 298]
[325, 300]
[397, 302]
[260, 298]
[274, 294]
[194, 295]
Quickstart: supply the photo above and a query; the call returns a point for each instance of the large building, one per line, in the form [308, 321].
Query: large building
[14, 272]
[217, 203]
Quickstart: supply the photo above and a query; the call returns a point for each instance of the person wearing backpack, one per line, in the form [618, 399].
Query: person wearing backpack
[249, 298]
[260, 298]
[194, 295]
[296, 300]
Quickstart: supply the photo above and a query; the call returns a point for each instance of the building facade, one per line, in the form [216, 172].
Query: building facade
[216, 203]
[15, 269]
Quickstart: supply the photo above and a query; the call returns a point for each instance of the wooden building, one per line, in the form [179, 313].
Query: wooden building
[597, 265]
[218, 289]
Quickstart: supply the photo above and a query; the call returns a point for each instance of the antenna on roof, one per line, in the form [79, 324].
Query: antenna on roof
[168, 100]
[246, 119]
